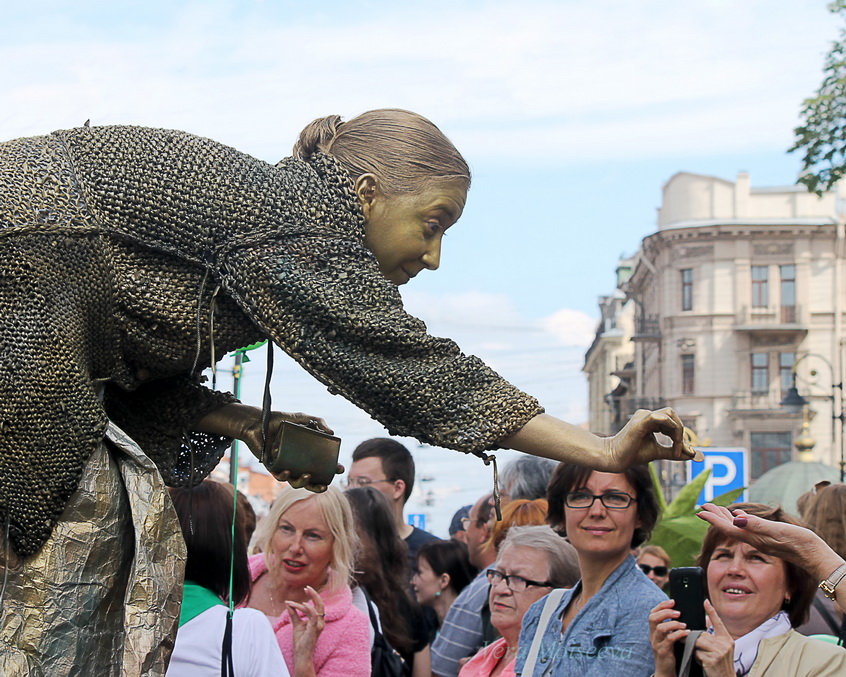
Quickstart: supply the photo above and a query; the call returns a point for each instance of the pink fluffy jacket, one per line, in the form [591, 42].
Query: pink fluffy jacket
[343, 648]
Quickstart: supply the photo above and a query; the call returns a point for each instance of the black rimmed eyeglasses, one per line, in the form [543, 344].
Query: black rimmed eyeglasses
[514, 582]
[613, 500]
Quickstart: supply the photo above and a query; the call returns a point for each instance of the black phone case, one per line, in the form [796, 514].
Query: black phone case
[688, 590]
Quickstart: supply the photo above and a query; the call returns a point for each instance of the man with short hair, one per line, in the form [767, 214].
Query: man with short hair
[457, 530]
[525, 477]
[463, 631]
[388, 467]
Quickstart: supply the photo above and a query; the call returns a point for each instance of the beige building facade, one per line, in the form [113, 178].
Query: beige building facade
[738, 291]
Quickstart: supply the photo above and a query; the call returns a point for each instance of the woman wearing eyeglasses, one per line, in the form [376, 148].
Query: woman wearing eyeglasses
[532, 561]
[599, 628]
[654, 561]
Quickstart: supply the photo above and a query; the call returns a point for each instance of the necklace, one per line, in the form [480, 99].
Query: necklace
[273, 606]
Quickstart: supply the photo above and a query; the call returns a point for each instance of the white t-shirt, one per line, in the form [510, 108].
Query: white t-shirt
[255, 651]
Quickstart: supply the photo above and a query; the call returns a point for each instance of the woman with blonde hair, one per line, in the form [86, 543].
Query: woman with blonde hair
[301, 581]
[654, 561]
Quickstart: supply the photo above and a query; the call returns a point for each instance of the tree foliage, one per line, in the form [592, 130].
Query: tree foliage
[822, 135]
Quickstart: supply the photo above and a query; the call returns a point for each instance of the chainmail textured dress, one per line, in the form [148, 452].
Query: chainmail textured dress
[114, 244]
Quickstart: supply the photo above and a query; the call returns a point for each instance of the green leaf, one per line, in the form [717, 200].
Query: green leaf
[728, 498]
[656, 485]
[685, 502]
[681, 537]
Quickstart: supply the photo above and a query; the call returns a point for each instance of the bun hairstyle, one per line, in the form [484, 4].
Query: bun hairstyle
[404, 150]
[318, 135]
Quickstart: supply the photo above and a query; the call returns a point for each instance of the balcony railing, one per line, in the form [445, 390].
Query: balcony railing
[777, 318]
[789, 315]
[630, 405]
[750, 400]
[647, 327]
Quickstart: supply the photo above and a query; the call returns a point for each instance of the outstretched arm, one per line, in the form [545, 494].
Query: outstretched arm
[547, 436]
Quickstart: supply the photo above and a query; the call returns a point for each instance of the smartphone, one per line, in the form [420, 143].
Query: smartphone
[687, 589]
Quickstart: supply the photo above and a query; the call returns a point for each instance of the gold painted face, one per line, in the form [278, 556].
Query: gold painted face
[405, 231]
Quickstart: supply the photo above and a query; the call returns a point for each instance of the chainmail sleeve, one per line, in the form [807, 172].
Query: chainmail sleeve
[158, 417]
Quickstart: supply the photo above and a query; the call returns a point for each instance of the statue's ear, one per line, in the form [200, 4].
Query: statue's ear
[366, 189]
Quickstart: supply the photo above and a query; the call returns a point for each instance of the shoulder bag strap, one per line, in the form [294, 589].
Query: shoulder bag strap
[549, 606]
[375, 622]
[687, 656]
[819, 605]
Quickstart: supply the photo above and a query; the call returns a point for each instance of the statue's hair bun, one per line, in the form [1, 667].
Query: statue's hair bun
[318, 135]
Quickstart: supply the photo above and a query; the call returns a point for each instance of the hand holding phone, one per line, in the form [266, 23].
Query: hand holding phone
[688, 591]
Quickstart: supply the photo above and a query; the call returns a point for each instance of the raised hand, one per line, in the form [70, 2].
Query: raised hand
[308, 621]
[787, 541]
[636, 442]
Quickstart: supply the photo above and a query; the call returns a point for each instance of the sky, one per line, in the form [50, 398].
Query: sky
[572, 115]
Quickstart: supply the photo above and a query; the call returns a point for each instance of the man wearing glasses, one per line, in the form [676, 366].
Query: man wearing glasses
[388, 467]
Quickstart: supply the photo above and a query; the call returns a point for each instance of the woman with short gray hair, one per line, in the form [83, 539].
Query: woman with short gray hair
[532, 561]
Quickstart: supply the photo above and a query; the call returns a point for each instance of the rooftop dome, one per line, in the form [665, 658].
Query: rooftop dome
[787, 482]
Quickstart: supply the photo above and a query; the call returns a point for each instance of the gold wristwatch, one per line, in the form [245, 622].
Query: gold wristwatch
[829, 585]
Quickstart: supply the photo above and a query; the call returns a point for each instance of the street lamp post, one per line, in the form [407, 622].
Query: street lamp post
[794, 401]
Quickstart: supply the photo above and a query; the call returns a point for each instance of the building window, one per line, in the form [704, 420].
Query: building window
[687, 289]
[688, 364]
[760, 373]
[788, 293]
[785, 371]
[760, 287]
[769, 450]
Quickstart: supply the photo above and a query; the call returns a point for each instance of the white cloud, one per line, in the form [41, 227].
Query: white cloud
[571, 327]
[521, 80]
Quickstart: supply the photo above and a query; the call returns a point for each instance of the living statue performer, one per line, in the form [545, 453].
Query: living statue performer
[115, 244]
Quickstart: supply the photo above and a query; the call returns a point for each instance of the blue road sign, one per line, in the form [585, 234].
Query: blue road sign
[416, 519]
[729, 470]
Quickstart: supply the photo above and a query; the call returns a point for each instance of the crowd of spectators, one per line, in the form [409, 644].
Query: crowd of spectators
[565, 583]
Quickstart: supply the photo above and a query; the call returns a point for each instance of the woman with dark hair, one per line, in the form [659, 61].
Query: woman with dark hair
[382, 572]
[205, 515]
[599, 627]
[443, 571]
[754, 602]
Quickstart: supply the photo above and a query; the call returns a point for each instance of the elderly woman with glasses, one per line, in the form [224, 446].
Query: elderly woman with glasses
[600, 626]
[532, 561]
